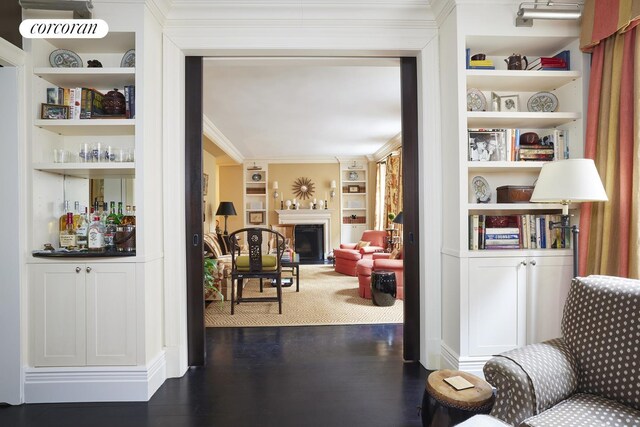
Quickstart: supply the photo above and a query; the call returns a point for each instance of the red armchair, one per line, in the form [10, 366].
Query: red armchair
[347, 256]
[380, 262]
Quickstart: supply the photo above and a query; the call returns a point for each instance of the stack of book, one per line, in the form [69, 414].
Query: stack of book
[560, 62]
[485, 64]
[502, 238]
[543, 150]
[526, 231]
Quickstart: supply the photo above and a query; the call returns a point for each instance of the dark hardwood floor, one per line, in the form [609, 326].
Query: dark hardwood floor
[295, 376]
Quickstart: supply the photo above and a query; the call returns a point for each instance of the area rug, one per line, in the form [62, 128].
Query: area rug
[325, 298]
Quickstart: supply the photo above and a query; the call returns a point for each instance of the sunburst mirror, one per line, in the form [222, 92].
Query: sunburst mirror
[303, 188]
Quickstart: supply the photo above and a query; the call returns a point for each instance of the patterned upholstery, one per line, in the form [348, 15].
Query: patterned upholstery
[590, 377]
[601, 324]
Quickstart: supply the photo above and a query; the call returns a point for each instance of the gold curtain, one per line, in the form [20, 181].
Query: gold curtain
[393, 186]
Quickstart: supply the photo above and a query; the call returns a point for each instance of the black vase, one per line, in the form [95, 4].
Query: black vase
[383, 288]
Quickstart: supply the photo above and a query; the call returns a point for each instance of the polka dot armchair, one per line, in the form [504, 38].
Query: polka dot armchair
[590, 376]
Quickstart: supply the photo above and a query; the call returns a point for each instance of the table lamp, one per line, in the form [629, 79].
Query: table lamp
[569, 181]
[226, 209]
[399, 218]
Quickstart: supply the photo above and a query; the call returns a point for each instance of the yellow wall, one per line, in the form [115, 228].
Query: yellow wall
[230, 190]
[321, 175]
[210, 200]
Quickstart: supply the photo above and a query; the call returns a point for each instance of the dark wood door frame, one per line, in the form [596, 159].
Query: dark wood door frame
[193, 201]
[193, 210]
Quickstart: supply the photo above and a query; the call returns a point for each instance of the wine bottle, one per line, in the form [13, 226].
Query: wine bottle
[112, 213]
[120, 215]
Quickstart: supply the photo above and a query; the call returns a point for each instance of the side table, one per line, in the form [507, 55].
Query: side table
[443, 405]
[383, 288]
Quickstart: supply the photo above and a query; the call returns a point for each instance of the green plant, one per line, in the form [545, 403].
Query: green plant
[210, 278]
[391, 216]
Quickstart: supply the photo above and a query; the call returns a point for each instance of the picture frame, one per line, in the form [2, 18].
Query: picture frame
[205, 183]
[353, 189]
[509, 103]
[54, 112]
[489, 145]
[256, 217]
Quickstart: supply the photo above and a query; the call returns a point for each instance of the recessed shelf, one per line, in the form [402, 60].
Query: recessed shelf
[88, 77]
[489, 166]
[88, 126]
[513, 207]
[497, 119]
[89, 170]
[519, 80]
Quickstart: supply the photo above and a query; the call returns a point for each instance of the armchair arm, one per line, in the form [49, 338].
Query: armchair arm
[348, 245]
[531, 379]
[371, 249]
[381, 255]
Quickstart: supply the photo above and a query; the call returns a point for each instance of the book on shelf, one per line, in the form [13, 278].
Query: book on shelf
[87, 103]
[505, 145]
[481, 67]
[524, 231]
[561, 61]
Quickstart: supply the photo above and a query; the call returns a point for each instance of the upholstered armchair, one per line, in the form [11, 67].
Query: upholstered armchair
[380, 262]
[350, 253]
[590, 376]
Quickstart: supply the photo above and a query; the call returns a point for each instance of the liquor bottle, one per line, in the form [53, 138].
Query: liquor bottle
[95, 236]
[82, 229]
[112, 213]
[63, 218]
[129, 218]
[104, 213]
[120, 215]
[76, 215]
[68, 235]
[109, 234]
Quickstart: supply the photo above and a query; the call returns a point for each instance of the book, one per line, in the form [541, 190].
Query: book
[458, 383]
[502, 230]
[497, 242]
[501, 236]
[481, 67]
[474, 232]
[52, 95]
[481, 63]
[481, 227]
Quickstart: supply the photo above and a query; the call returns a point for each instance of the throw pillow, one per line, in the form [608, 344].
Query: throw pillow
[362, 244]
[395, 254]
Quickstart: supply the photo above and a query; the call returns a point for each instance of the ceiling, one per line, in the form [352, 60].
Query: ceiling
[279, 108]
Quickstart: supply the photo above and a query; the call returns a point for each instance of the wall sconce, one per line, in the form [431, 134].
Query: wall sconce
[527, 12]
[333, 189]
[275, 190]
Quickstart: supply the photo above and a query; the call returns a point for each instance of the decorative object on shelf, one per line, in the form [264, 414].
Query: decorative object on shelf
[569, 181]
[275, 190]
[303, 188]
[498, 221]
[256, 217]
[256, 177]
[353, 176]
[64, 58]
[205, 184]
[476, 100]
[288, 204]
[129, 59]
[332, 194]
[514, 193]
[254, 167]
[354, 165]
[481, 189]
[487, 145]
[542, 102]
[529, 138]
[479, 57]
[114, 103]
[226, 209]
[509, 103]
[54, 111]
[514, 62]
[353, 188]
[94, 63]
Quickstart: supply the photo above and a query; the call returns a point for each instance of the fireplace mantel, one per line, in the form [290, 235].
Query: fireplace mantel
[309, 216]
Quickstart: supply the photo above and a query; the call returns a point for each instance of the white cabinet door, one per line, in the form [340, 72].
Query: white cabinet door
[352, 233]
[497, 305]
[111, 314]
[548, 281]
[57, 313]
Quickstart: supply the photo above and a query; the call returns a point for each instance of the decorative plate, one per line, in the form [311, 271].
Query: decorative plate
[256, 177]
[353, 176]
[63, 58]
[542, 102]
[476, 100]
[129, 59]
[481, 189]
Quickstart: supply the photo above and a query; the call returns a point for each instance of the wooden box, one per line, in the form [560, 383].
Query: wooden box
[514, 193]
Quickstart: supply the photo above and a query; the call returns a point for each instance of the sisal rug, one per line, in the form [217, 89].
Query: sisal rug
[325, 298]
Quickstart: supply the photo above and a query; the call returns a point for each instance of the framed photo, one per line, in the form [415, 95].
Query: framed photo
[353, 189]
[205, 183]
[54, 111]
[256, 217]
[487, 145]
[509, 103]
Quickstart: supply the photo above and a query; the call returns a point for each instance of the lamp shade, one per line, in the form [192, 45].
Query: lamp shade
[567, 181]
[399, 218]
[226, 208]
[333, 184]
[275, 185]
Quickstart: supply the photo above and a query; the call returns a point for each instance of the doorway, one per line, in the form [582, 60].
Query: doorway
[193, 194]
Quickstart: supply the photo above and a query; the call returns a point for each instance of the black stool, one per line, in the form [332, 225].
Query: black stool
[383, 288]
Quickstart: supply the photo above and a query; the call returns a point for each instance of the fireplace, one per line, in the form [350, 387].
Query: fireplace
[309, 241]
[316, 217]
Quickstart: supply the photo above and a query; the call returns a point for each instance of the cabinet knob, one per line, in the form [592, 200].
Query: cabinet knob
[532, 262]
[78, 269]
[523, 262]
[88, 269]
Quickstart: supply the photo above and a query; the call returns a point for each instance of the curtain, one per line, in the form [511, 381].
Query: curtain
[381, 172]
[393, 186]
[610, 231]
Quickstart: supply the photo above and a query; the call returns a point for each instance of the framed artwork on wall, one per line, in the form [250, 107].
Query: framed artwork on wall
[205, 183]
[256, 217]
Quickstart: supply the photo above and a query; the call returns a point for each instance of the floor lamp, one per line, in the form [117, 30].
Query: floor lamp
[565, 182]
[226, 209]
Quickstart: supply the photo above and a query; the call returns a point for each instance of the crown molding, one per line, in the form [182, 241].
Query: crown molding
[297, 160]
[391, 145]
[10, 54]
[160, 9]
[216, 136]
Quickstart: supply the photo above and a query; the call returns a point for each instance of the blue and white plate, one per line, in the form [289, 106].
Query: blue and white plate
[63, 58]
[129, 59]
[542, 102]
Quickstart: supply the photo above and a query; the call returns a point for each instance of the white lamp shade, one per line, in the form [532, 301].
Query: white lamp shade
[568, 181]
[333, 184]
[275, 185]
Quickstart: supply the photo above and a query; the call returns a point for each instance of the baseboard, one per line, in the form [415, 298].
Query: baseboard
[95, 384]
[452, 360]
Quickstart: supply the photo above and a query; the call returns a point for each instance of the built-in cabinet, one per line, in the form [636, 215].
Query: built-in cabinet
[256, 194]
[354, 200]
[85, 316]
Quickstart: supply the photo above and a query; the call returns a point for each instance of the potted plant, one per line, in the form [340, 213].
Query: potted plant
[211, 280]
[391, 217]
